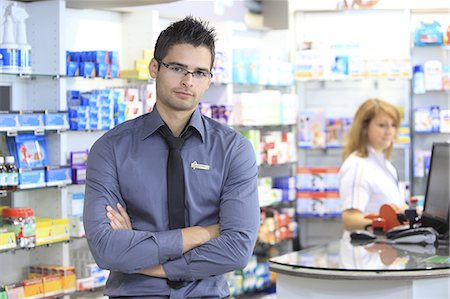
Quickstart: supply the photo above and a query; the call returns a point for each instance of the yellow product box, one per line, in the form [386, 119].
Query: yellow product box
[33, 288]
[43, 231]
[135, 74]
[60, 230]
[141, 65]
[7, 240]
[147, 55]
[69, 279]
[53, 285]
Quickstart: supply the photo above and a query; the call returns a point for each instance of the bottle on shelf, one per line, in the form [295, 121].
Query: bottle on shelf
[418, 80]
[12, 174]
[3, 174]
[24, 49]
[8, 46]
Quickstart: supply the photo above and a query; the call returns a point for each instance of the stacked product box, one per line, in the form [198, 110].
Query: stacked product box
[78, 163]
[317, 191]
[49, 230]
[58, 175]
[277, 225]
[33, 120]
[56, 120]
[93, 277]
[104, 64]
[91, 110]
[43, 281]
[312, 129]
[431, 119]
[31, 157]
[287, 186]
[266, 193]
[254, 277]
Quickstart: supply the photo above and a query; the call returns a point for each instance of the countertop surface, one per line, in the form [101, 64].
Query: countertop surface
[343, 259]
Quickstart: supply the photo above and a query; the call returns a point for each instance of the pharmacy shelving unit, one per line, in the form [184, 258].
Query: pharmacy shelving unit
[338, 96]
[441, 98]
[54, 28]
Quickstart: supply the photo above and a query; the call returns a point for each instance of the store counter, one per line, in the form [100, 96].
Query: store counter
[344, 269]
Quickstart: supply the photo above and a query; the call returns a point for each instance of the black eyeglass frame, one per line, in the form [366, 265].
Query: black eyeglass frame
[168, 66]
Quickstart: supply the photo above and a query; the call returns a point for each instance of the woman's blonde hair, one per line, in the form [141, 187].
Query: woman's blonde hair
[357, 139]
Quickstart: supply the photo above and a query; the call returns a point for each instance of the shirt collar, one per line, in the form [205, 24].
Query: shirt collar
[153, 121]
[379, 156]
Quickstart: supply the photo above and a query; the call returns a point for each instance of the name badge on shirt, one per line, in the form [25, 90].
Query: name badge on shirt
[196, 165]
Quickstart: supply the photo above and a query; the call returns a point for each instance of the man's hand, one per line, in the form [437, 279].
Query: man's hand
[120, 219]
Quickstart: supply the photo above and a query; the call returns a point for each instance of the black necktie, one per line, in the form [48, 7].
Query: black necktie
[175, 177]
[175, 185]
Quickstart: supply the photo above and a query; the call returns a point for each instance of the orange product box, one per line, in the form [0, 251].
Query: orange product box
[33, 288]
[69, 279]
[53, 285]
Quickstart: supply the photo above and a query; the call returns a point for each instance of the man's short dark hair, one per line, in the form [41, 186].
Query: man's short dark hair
[190, 31]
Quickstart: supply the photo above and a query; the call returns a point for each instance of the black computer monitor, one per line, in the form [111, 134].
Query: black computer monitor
[437, 195]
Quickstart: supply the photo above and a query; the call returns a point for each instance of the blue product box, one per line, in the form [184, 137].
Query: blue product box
[80, 111]
[106, 112]
[89, 99]
[340, 66]
[87, 69]
[79, 123]
[9, 120]
[113, 71]
[29, 150]
[284, 182]
[56, 120]
[86, 56]
[99, 57]
[58, 175]
[120, 108]
[429, 33]
[101, 70]
[73, 68]
[31, 120]
[107, 93]
[435, 113]
[106, 123]
[94, 111]
[78, 174]
[113, 57]
[93, 123]
[73, 56]
[119, 119]
[31, 178]
[73, 98]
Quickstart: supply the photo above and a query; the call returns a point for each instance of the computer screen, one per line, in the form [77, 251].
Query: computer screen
[437, 195]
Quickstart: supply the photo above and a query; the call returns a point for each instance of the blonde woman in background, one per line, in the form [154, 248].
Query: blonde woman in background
[367, 178]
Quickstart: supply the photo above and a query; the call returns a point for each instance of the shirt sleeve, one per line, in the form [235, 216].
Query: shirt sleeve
[127, 251]
[354, 189]
[239, 222]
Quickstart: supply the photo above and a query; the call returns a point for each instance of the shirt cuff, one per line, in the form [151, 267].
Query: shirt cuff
[170, 245]
[178, 270]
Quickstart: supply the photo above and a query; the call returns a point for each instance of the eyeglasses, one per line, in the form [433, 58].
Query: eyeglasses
[181, 72]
